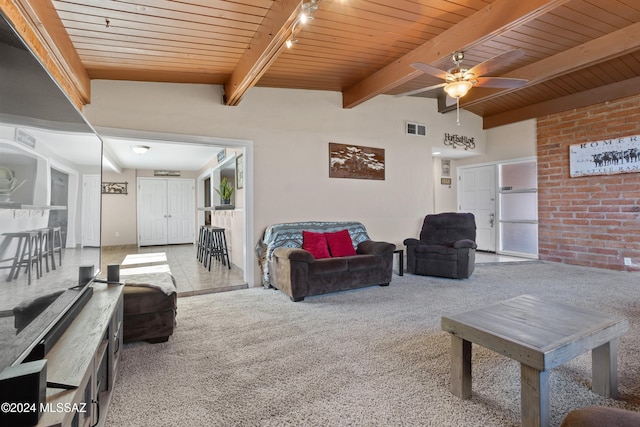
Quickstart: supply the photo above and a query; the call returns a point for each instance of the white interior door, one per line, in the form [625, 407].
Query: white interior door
[477, 195]
[180, 211]
[152, 212]
[91, 210]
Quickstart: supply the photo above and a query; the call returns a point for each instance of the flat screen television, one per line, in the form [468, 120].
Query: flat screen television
[50, 183]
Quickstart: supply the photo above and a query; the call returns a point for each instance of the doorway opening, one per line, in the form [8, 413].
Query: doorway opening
[59, 197]
[244, 256]
[503, 198]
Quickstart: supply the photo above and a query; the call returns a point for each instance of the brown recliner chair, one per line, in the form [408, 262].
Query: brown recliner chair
[446, 247]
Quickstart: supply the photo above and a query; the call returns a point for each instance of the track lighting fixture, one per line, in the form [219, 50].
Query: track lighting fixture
[306, 14]
[307, 10]
[290, 42]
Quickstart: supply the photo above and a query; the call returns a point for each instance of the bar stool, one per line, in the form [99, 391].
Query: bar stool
[27, 254]
[208, 246]
[56, 244]
[50, 243]
[218, 246]
[44, 242]
[202, 237]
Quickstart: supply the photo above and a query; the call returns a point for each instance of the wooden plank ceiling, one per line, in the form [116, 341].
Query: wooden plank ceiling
[576, 52]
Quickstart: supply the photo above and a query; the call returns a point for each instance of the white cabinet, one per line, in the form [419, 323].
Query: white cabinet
[166, 211]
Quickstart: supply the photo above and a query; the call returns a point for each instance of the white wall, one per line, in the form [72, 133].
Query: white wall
[291, 130]
[119, 211]
[513, 141]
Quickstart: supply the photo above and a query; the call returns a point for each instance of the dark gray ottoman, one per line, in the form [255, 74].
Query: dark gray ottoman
[150, 304]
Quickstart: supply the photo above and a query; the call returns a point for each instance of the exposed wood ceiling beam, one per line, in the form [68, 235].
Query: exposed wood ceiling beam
[623, 89]
[612, 45]
[263, 49]
[495, 19]
[39, 25]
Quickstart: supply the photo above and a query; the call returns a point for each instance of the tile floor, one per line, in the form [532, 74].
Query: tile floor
[490, 258]
[191, 276]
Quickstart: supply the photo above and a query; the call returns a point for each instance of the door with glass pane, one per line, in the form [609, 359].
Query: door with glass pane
[518, 208]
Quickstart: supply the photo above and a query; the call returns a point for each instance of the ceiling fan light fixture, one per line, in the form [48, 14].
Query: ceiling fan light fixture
[458, 89]
[140, 149]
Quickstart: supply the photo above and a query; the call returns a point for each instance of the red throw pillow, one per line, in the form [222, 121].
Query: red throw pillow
[340, 243]
[316, 243]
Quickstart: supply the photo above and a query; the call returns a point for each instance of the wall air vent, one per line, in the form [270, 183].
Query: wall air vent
[416, 129]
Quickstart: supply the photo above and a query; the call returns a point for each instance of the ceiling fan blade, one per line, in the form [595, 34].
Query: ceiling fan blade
[421, 90]
[500, 82]
[429, 69]
[496, 62]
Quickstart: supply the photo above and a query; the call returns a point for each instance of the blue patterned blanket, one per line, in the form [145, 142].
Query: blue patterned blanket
[289, 235]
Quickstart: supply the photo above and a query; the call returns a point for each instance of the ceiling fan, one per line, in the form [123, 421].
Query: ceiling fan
[458, 79]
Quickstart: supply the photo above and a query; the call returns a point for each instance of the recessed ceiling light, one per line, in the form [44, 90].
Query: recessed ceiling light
[139, 149]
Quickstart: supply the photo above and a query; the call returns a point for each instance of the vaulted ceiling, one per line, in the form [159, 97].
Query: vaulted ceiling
[576, 52]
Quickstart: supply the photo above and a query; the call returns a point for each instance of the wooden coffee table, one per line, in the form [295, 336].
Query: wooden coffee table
[540, 335]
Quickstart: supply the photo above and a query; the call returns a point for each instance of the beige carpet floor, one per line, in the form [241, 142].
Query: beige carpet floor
[369, 357]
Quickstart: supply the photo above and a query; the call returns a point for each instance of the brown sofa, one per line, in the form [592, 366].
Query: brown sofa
[150, 304]
[298, 274]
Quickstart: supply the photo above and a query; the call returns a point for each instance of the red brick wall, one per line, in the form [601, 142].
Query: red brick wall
[592, 220]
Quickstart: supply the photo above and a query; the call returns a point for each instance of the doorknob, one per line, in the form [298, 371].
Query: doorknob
[492, 217]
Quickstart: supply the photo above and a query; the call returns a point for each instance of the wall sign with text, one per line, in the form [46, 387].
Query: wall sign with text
[606, 157]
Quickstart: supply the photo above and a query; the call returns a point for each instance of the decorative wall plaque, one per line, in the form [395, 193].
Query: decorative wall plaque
[353, 161]
[606, 157]
[114, 188]
[459, 141]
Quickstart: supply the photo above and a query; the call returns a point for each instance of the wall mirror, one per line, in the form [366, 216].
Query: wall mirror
[50, 201]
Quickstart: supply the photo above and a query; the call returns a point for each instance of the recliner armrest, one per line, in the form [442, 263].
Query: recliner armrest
[375, 248]
[465, 243]
[412, 241]
[294, 254]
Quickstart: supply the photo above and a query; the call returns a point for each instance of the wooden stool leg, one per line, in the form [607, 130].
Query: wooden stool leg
[225, 251]
[15, 267]
[44, 248]
[57, 246]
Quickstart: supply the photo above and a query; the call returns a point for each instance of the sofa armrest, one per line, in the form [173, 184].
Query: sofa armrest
[375, 248]
[294, 254]
[465, 243]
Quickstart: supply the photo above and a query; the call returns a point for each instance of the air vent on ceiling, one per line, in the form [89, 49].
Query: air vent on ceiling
[416, 129]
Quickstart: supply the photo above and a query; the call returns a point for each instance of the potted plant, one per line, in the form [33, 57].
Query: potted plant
[225, 191]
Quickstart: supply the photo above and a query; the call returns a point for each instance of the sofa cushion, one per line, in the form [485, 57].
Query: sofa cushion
[329, 265]
[340, 243]
[362, 262]
[316, 244]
